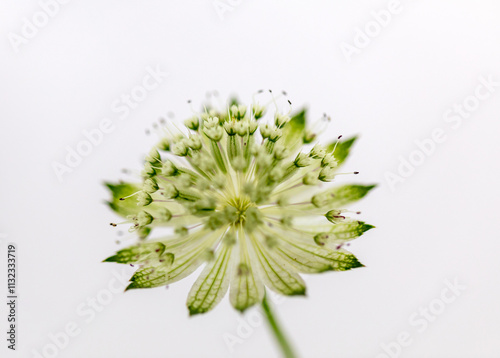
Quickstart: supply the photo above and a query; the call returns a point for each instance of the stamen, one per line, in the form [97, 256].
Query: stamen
[126, 197]
[336, 143]
[121, 223]
[350, 173]
[274, 101]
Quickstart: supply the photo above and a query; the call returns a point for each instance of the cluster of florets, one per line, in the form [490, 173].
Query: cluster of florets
[238, 188]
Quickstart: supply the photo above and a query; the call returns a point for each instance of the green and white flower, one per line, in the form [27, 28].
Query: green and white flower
[251, 198]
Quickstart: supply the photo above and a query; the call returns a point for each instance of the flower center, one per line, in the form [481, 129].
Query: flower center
[241, 205]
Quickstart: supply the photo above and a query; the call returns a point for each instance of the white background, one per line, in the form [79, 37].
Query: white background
[440, 224]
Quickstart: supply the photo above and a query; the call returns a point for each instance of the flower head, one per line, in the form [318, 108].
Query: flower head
[245, 197]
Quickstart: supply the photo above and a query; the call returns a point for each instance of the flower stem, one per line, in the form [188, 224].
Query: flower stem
[278, 332]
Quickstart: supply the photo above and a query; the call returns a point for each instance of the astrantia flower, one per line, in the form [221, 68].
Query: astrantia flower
[247, 193]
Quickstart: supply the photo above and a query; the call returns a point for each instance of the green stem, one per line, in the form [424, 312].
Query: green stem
[278, 332]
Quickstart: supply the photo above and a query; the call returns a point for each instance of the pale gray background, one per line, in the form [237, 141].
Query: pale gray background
[441, 223]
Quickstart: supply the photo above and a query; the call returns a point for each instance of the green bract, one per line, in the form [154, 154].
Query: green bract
[249, 194]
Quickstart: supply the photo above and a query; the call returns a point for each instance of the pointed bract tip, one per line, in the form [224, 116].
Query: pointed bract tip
[299, 293]
[195, 311]
[110, 259]
[130, 287]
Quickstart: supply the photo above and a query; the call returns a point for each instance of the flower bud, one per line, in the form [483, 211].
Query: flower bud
[241, 128]
[253, 218]
[211, 122]
[214, 133]
[321, 199]
[270, 132]
[258, 111]
[326, 174]
[144, 199]
[170, 191]
[203, 161]
[275, 134]
[310, 178]
[216, 220]
[144, 218]
[164, 215]
[192, 123]
[329, 161]
[181, 230]
[180, 148]
[194, 142]
[252, 127]
[282, 201]
[230, 238]
[208, 255]
[335, 216]
[143, 232]
[302, 160]
[230, 214]
[164, 145]
[243, 269]
[286, 221]
[204, 205]
[239, 163]
[281, 119]
[230, 128]
[150, 186]
[219, 181]
[169, 169]
[265, 130]
[321, 238]
[270, 241]
[276, 173]
[308, 137]
[184, 180]
[153, 157]
[149, 170]
[280, 152]
[238, 111]
[263, 160]
[318, 152]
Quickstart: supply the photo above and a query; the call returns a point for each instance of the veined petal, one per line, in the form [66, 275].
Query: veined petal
[212, 284]
[183, 244]
[340, 196]
[302, 260]
[137, 253]
[344, 260]
[276, 273]
[246, 288]
[308, 257]
[339, 260]
[342, 232]
[342, 150]
[186, 262]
